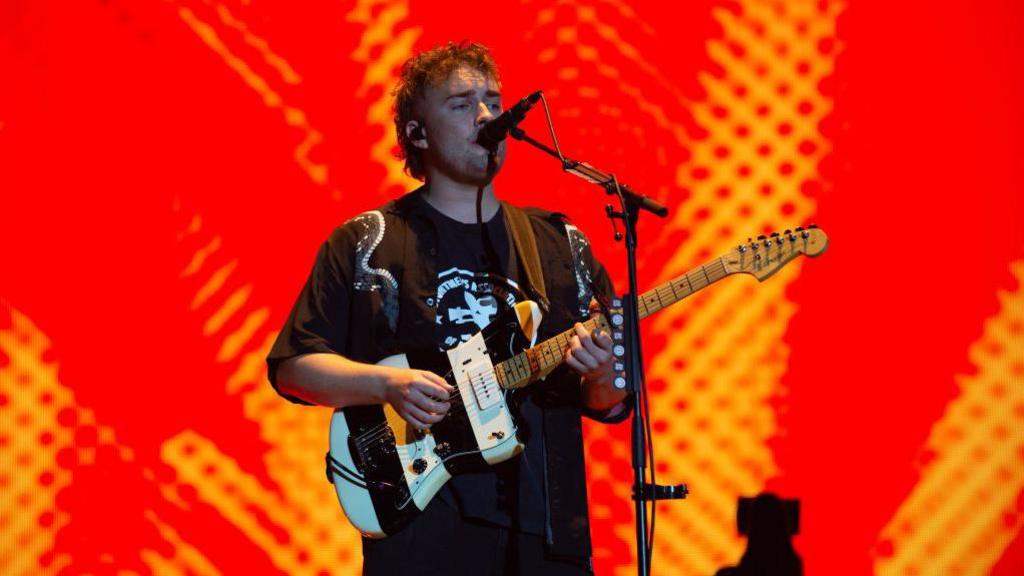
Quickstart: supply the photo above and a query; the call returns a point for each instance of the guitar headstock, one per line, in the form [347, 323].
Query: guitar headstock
[765, 255]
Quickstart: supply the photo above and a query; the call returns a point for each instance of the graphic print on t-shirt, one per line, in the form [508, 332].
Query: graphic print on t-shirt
[468, 301]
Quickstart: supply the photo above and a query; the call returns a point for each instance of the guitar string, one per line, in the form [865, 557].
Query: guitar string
[380, 430]
[717, 267]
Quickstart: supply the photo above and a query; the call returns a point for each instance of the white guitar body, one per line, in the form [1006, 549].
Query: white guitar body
[385, 471]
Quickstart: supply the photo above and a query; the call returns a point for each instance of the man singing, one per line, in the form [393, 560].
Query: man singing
[428, 271]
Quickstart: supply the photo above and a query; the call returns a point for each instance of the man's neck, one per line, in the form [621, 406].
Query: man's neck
[458, 201]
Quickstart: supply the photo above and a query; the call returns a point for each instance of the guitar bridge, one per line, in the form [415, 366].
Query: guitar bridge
[369, 454]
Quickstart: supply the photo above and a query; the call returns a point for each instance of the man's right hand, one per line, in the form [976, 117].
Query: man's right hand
[418, 396]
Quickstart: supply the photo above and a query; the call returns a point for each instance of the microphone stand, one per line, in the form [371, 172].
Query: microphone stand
[630, 203]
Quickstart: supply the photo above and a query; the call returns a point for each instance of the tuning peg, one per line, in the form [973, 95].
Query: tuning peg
[812, 226]
[788, 232]
[799, 228]
[742, 249]
[761, 236]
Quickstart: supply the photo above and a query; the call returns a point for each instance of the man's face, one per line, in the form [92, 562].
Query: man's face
[452, 114]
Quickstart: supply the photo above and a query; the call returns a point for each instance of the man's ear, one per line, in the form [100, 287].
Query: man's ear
[416, 134]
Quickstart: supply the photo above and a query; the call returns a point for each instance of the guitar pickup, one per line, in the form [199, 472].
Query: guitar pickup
[485, 384]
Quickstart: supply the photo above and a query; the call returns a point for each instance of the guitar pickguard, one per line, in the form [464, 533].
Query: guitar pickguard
[385, 472]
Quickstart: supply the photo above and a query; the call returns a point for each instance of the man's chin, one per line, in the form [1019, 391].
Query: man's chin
[482, 174]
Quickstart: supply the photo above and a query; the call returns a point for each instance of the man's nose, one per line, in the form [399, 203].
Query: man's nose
[484, 113]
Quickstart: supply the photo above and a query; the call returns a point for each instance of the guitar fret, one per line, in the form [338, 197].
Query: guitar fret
[531, 355]
[522, 368]
[542, 356]
[499, 375]
[675, 294]
[700, 283]
[685, 291]
[549, 356]
[658, 291]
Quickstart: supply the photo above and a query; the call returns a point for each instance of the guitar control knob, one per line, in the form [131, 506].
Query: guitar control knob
[442, 449]
[419, 465]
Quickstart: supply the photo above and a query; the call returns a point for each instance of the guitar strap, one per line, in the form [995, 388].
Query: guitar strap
[526, 246]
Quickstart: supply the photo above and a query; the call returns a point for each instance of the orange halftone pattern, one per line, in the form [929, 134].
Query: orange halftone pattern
[237, 485]
[268, 74]
[965, 510]
[44, 436]
[297, 522]
[382, 49]
[722, 364]
[37, 419]
[183, 558]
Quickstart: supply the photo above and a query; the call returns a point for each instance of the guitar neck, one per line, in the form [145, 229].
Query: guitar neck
[529, 365]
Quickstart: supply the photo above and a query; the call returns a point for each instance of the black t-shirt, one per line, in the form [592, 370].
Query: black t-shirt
[372, 293]
[478, 279]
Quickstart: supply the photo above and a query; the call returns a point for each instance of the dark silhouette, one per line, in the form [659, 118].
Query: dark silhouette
[769, 523]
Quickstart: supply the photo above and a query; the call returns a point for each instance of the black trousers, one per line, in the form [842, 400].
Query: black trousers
[440, 541]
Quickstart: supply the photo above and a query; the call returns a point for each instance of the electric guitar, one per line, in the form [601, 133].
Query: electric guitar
[386, 471]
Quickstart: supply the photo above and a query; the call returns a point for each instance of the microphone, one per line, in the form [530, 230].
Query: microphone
[493, 132]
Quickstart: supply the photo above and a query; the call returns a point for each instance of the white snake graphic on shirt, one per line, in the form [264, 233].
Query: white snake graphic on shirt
[578, 245]
[370, 279]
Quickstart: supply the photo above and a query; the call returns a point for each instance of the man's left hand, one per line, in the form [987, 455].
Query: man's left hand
[590, 354]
